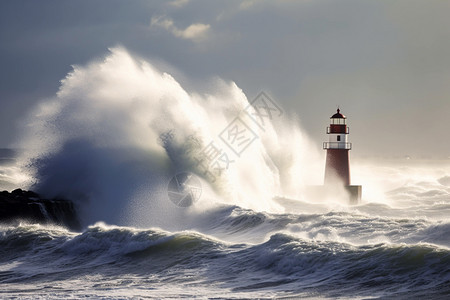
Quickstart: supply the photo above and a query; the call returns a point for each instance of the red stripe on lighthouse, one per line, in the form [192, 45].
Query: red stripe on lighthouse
[337, 168]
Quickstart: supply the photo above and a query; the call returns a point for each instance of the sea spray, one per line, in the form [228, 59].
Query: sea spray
[119, 130]
[98, 143]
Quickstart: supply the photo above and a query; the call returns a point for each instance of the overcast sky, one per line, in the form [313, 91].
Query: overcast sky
[385, 63]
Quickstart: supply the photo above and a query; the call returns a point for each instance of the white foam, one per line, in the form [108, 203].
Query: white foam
[97, 142]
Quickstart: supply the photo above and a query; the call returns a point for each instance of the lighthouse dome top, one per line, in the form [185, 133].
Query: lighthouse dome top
[338, 115]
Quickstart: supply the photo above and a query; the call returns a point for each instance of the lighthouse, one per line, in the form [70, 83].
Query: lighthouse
[337, 166]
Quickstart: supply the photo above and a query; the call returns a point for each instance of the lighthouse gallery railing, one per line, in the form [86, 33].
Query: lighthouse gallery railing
[337, 145]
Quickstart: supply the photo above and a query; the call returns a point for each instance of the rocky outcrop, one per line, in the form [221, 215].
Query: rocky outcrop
[20, 205]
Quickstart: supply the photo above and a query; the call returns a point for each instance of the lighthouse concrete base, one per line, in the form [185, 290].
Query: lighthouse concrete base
[353, 192]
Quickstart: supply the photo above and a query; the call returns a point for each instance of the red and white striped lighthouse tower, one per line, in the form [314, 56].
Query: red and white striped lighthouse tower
[337, 168]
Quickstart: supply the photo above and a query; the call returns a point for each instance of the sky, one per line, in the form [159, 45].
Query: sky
[386, 64]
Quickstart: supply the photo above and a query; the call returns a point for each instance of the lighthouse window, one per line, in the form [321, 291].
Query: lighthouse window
[338, 121]
[338, 138]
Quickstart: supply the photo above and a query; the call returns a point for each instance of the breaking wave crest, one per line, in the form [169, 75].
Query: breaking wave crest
[119, 129]
[116, 133]
[281, 263]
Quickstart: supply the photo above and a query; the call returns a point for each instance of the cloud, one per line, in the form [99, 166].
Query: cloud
[195, 32]
[246, 4]
[385, 62]
[179, 3]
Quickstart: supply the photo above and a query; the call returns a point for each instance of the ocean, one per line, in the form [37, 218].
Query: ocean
[117, 140]
[366, 251]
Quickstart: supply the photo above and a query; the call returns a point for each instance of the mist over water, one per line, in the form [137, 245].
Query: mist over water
[116, 133]
[119, 129]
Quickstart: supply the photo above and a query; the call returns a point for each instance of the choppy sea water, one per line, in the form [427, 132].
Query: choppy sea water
[398, 249]
[117, 132]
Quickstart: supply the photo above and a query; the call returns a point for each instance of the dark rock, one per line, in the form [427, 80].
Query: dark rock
[22, 205]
